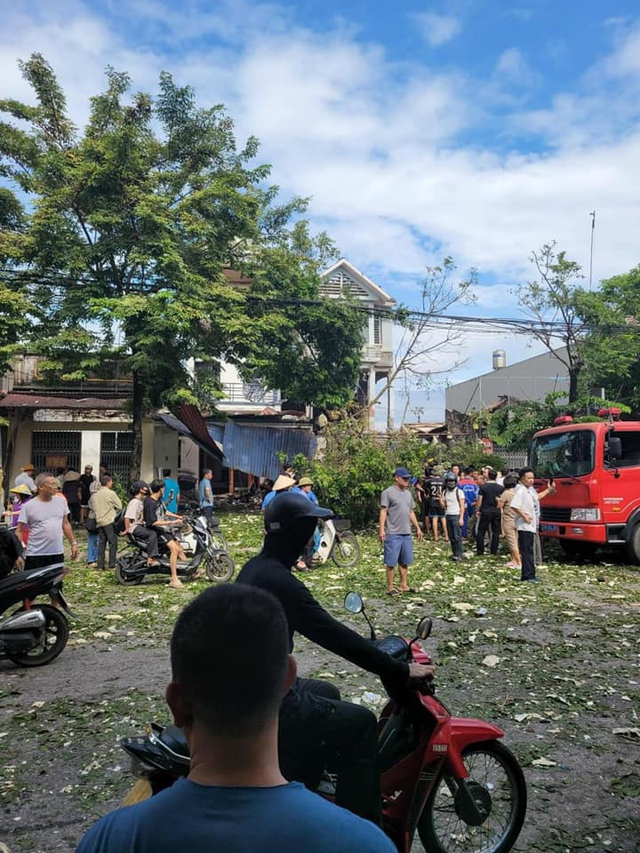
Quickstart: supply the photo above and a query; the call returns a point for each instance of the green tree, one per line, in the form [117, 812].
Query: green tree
[552, 302]
[515, 424]
[612, 350]
[128, 229]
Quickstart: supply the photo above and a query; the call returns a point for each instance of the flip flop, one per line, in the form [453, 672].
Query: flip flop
[393, 592]
[409, 589]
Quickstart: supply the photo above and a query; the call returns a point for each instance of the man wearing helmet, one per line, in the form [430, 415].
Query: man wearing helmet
[453, 503]
[317, 728]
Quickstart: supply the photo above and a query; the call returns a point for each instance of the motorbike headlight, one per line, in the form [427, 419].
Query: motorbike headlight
[585, 514]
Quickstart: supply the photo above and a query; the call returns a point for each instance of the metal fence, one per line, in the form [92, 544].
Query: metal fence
[512, 458]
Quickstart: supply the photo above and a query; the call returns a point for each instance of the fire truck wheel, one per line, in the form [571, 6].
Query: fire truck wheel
[633, 545]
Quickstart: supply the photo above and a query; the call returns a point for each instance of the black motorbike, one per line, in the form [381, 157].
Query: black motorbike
[34, 634]
[202, 550]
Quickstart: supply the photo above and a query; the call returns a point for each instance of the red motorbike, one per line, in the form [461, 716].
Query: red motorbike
[448, 778]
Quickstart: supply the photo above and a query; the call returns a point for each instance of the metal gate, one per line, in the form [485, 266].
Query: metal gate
[52, 449]
[115, 454]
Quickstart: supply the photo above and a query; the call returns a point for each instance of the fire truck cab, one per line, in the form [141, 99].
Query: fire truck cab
[595, 468]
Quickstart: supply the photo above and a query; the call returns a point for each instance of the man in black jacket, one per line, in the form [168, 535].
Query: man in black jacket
[316, 728]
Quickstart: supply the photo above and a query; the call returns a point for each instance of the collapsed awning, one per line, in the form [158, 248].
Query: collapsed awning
[195, 430]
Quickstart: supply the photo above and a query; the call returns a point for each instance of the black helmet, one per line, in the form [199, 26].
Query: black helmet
[450, 477]
[286, 508]
[137, 486]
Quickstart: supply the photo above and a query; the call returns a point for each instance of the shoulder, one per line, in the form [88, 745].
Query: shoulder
[333, 828]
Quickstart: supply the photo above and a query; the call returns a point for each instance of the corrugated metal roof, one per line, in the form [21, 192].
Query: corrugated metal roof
[44, 401]
[254, 449]
[174, 423]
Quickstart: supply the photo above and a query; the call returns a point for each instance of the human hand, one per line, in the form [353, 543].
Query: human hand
[419, 534]
[421, 671]
[382, 535]
[75, 551]
[19, 564]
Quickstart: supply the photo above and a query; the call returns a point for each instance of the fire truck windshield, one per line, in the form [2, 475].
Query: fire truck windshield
[563, 454]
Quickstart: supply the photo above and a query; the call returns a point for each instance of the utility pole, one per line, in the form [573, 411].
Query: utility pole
[593, 231]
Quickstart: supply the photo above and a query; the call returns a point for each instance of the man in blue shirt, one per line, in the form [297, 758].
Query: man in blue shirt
[171, 494]
[206, 493]
[230, 670]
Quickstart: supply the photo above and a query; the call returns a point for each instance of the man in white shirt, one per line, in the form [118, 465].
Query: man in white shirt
[523, 504]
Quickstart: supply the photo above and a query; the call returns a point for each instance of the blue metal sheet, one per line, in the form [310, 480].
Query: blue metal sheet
[254, 449]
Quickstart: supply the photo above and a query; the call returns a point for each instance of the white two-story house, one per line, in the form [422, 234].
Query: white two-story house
[377, 352]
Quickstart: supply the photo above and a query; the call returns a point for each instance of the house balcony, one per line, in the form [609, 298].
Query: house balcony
[375, 356]
[250, 396]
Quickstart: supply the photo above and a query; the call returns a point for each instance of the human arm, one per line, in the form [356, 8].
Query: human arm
[414, 522]
[462, 503]
[20, 530]
[381, 523]
[68, 532]
[550, 490]
[518, 505]
[306, 616]
[479, 503]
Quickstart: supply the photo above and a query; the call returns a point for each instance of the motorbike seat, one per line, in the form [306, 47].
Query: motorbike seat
[174, 738]
[19, 579]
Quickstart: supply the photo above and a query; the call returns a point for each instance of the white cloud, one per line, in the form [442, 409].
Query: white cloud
[437, 29]
[387, 149]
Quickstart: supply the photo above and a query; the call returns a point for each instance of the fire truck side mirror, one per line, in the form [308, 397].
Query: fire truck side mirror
[615, 447]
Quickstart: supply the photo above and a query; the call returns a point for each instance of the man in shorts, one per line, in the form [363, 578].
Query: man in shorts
[433, 488]
[397, 517]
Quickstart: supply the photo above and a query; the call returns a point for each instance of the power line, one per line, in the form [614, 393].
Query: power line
[440, 322]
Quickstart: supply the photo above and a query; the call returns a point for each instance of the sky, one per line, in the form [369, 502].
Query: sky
[475, 129]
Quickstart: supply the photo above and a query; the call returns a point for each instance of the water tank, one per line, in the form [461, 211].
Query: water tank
[499, 359]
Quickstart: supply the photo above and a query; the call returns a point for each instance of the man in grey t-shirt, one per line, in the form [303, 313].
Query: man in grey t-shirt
[397, 517]
[46, 518]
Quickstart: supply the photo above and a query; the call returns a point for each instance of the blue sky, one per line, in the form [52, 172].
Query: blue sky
[474, 129]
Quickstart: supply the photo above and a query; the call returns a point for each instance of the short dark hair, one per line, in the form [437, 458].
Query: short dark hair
[469, 469]
[214, 638]
[166, 472]
[492, 474]
[106, 479]
[524, 471]
[156, 485]
[206, 471]
[510, 481]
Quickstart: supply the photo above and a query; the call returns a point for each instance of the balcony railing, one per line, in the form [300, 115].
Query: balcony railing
[249, 393]
[375, 354]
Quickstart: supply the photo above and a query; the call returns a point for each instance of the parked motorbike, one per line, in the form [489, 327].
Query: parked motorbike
[337, 542]
[34, 634]
[201, 548]
[448, 778]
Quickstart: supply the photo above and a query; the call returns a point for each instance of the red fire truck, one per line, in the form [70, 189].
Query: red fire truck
[595, 468]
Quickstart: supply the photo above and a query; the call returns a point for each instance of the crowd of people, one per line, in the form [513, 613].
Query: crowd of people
[41, 510]
[479, 506]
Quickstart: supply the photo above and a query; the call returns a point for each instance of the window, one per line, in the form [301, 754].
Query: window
[564, 454]
[115, 453]
[377, 330]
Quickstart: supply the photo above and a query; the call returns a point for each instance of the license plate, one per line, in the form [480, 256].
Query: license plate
[548, 528]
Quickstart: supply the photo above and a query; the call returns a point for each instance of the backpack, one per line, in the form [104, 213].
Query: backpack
[118, 521]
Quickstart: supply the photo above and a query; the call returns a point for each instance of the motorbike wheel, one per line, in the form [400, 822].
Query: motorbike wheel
[346, 550]
[52, 641]
[496, 782]
[218, 540]
[123, 577]
[219, 567]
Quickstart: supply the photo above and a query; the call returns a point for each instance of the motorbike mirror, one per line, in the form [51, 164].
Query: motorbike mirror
[424, 628]
[353, 602]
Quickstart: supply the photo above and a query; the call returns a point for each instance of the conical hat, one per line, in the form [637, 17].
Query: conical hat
[283, 482]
